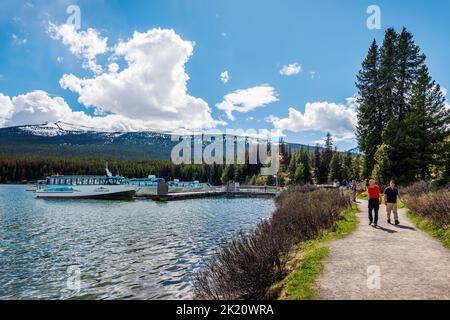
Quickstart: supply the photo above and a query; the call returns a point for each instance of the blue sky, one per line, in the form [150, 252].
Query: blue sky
[251, 39]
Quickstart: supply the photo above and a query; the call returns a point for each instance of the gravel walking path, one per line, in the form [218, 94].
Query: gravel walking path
[388, 262]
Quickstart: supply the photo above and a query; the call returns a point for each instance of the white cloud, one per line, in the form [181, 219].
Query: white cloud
[340, 120]
[291, 69]
[149, 91]
[152, 87]
[38, 107]
[246, 100]
[313, 75]
[6, 109]
[225, 77]
[18, 40]
[85, 44]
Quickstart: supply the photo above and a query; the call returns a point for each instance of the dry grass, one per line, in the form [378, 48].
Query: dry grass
[251, 263]
[428, 202]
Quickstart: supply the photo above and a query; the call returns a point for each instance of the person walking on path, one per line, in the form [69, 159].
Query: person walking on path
[390, 200]
[374, 194]
[353, 187]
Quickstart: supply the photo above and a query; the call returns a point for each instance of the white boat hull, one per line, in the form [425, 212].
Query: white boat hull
[87, 192]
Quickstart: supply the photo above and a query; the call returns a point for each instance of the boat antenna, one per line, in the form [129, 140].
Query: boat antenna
[108, 173]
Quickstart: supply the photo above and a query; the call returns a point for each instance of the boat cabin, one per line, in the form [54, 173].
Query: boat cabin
[84, 180]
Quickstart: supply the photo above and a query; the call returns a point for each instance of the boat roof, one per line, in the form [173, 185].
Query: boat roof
[86, 177]
[146, 179]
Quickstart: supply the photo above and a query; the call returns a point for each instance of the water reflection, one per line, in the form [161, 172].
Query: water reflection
[124, 250]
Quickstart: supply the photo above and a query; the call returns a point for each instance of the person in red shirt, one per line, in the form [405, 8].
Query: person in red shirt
[374, 195]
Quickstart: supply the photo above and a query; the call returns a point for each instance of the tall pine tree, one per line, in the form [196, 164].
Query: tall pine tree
[370, 115]
[409, 62]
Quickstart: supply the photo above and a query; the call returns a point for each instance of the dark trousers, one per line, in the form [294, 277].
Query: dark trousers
[374, 205]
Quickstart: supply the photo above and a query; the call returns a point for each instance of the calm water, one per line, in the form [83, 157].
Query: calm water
[121, 250]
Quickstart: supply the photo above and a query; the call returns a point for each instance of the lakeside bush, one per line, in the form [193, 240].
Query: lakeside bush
[246, 267]
[429, 202]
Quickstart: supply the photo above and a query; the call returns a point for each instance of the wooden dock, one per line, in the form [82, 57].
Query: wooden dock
[243, 193]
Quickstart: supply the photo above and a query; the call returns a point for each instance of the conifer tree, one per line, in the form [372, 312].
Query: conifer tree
[370, 115]
[427, 124]
[409, 62]
[317, 163]
[336, 167]
[327, 155]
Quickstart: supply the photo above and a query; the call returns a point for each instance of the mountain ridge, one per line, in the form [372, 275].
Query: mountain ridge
[70, 140]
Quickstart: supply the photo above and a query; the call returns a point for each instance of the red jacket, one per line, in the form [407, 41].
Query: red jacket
[374, 192]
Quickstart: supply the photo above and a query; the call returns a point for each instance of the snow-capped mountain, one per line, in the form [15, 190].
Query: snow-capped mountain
[62, 139]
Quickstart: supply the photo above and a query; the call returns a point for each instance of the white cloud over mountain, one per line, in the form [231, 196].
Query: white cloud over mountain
[246, 100]
[6, 109]
[149, 92]
[339, 119]
[291, 69]
[38, 107]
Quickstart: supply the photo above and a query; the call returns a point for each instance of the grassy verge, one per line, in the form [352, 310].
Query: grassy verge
[443, 235]
[308, 262]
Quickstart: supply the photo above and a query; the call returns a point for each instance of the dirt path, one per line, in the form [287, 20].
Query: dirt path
[391, 262]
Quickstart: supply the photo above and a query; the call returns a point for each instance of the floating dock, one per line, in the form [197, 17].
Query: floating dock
[241, 193]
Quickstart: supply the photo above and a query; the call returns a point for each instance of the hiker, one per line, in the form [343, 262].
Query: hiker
[336, 184]
[353, 188]
[374, 194]
[390, 200]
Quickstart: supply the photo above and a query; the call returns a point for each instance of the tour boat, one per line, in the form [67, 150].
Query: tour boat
[148, 186]
[86, 187]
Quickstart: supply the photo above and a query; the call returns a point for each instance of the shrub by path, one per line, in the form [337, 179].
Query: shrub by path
[411, 264]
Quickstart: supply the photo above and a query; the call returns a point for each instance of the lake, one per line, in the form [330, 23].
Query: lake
[98, 249]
